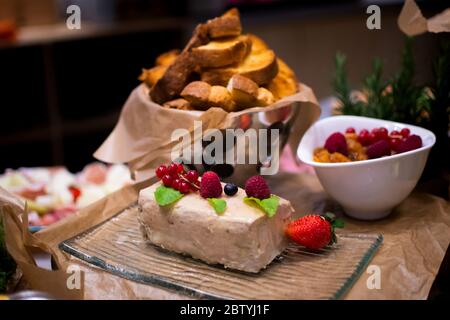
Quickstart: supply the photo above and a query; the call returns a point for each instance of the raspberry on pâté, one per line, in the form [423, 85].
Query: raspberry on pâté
[257, 187]
[210, 186]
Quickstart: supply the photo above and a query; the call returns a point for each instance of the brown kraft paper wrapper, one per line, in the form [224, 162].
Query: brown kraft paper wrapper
[142, 136]
[412, 22]
[20, 241]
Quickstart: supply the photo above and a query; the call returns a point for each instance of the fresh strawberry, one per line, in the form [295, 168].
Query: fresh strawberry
[410, 143]
[210, 186]
[378, 149]
[314, 231]
[336, 143]
[257, 187]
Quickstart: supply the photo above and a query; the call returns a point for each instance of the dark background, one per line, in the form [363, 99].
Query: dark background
[61, 90]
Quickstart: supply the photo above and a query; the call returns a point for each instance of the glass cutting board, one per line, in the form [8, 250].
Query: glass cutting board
[118, 247]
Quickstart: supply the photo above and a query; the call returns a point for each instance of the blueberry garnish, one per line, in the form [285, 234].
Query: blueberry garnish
[230, 189]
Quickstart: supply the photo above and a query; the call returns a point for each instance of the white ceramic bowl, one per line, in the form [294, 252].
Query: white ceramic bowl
[367, 189]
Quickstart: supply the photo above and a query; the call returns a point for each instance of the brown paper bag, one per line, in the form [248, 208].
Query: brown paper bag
[412, 22]
[142, 136]
[20, 242]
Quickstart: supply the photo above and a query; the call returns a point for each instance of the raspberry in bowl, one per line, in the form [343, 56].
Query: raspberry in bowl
[366, 174]
[353, 146]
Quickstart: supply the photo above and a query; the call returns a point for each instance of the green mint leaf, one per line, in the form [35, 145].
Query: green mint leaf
[269, 205]
[219, 205]
[338, 223]
[165, 196]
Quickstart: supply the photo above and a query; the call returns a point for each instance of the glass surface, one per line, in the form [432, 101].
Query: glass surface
[117, 246]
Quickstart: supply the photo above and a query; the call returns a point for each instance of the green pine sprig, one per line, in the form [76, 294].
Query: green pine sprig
[397, 99]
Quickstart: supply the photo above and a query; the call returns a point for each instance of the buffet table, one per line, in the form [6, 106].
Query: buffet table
[225, 78]
[416, 236]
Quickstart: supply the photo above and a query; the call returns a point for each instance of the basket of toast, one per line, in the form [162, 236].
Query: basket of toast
[224, 78]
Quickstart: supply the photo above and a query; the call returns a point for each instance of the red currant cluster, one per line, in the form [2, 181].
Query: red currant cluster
[394, 138]
[176, 177]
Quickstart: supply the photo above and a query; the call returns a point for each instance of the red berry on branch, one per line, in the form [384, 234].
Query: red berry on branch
[167, 180]
[192, 176]
[184, 187]
[173, 169]
[161, 171]
[176, 184]
[196, 186]
[180, 168]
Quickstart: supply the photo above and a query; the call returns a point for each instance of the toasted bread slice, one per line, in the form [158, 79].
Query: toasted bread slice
[285, 70]
[217, 76]
[247, 94]
[179, 72]
[197, 93]
[167, 58]
[227, 25]
[151, 76]
[260, 67]
[174, 79]
[243, 91]
[163, 61]
[258, 44]
[220, 97]
[222, 52]
[180, 104]
[265, 97]
[202, 96]
[285, 83]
